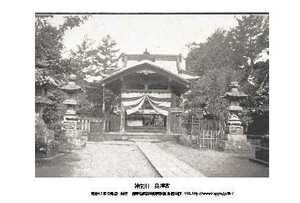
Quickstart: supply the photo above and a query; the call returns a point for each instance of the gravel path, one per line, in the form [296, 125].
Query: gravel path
[98, 160]
[216, 164]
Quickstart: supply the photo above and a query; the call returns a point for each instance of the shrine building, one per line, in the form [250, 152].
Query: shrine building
[150, 89]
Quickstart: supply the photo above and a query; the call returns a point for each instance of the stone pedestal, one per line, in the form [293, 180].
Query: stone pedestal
[72, 135]
[236, 140]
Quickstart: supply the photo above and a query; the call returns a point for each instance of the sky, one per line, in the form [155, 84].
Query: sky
[159, 34]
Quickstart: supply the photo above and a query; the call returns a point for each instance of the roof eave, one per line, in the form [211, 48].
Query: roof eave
[115, 76]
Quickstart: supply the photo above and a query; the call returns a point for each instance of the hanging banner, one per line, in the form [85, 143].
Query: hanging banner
[159, 101]
[133, 109]
[162, 95]
[159, 109]
[132, 102]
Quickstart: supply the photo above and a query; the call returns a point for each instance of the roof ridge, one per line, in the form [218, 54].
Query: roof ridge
[152, 57]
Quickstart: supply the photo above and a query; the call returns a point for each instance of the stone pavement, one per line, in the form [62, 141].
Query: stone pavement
[166, 164]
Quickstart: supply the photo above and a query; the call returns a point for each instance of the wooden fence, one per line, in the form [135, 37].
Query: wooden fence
[205, 133]
[90, 125]
[210, 134]
[260, 149]
[260, 154]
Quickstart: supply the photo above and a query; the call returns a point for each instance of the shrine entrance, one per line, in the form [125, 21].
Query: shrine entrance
[147, 96]
[146, 120]
[146, 123]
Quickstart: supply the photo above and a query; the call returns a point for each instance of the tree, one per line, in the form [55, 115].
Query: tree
[237, 55]
[105, 57]
[96, 60]
[213, 54]
[48, 41]
[248, 39]
[92, 60]
[50, 68]
[212, 61]
[108, 54]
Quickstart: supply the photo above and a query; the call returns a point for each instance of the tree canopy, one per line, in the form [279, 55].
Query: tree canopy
[240, 54]
[92, 59]
[50, 67]
[48, 47]
[95, 60]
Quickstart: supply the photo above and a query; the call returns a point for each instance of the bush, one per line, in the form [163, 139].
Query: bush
[184, 140]
[45, 145]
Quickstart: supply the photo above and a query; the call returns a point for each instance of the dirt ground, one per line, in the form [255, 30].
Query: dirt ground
[121, 159]
[98, 160]
[216, 164]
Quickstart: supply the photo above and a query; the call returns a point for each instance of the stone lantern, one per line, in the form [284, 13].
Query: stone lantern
[236, 139]
[41, 102]
[72, 134]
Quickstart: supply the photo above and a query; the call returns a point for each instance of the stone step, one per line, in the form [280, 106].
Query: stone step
[145, 140]
[148, 137]
[128, 136]
[165, 138]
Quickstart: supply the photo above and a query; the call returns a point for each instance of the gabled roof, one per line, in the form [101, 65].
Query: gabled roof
[163, 63]
[170, 62]
[141, 65]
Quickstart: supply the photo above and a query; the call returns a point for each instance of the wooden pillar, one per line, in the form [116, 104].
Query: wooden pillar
[169, 114]
[122, 119]
[169, 123]
[103, 108]
[103, 99]
[122, 113]
[169, 83]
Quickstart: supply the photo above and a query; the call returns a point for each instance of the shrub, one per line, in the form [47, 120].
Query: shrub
[45, 145]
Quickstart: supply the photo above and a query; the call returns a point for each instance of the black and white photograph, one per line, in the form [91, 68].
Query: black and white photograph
[154, 101]
[152, 95]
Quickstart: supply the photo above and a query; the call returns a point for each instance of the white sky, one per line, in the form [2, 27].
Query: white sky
[160, 34]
